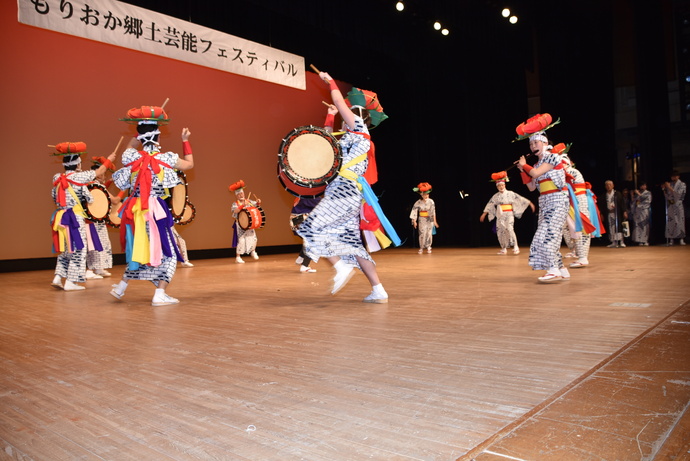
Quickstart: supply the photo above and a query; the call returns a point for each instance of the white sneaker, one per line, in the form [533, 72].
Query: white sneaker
[613, 245]
[57, 282]
[239, 260]
[186, 264]
[342, 277]
[91, 276]
[254, 255]
[115, 292]
[103, 273]
[164, 300]
[71, 286]
[376, 297]
[299, 260]
[682, 242]
[306, 269]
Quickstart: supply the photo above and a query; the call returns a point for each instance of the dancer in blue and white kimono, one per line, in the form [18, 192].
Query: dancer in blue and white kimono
[332, 229]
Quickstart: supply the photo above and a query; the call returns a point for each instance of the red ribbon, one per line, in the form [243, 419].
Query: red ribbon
[62, 183]
[144, 166]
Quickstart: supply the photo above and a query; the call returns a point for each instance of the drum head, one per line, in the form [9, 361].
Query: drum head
[309, 157]
[99, 208]
[244, 219]
[178, 200]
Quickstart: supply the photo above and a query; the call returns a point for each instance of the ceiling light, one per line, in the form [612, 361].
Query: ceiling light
[437, 25]
[400, 6]
[505, 12]
[513, 19]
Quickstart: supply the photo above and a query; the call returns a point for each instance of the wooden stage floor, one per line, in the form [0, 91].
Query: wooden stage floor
[472, 358]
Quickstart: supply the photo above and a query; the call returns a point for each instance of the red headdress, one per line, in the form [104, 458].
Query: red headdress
[501, 176]
[151, 114]
[422, 187]
[70, 148]
[236, 186]
[534, 125]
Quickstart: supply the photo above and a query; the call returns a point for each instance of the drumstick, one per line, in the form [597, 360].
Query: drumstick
[314, 68]
[166, 101]
[118, 144]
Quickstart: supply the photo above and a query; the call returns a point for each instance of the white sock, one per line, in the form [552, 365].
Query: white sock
[159, 292]
[340, 265]
[121, 287]
[379, 289]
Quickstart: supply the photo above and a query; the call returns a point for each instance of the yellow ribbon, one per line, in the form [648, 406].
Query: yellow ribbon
[351, 175]
[61, 230]
[140, 249]
[78, 209]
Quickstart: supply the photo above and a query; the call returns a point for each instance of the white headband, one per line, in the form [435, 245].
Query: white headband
[72, 162]
[539, 136]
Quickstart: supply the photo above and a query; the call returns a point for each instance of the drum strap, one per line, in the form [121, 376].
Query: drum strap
[349, 174]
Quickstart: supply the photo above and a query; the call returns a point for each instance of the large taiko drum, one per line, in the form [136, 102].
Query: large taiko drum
[251, 217]
[177, 202]
[99, 208]
[188, 215]
[309, 158]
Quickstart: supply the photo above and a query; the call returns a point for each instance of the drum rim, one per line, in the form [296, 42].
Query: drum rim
[317, 190]
[191, 218]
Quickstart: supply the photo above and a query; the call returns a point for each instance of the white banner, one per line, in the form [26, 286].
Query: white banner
[116, 23]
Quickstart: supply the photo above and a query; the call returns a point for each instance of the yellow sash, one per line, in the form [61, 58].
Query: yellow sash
[506, 208]
[351, 175]
[547, 186]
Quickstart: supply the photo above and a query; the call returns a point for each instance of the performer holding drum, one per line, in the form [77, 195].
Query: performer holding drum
[70, 192]
[248, 217]
[332, 229]
[146, 222]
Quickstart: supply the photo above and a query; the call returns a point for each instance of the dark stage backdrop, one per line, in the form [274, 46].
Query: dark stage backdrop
[453, 103]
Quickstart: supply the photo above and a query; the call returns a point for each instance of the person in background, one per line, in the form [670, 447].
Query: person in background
[640, 207]
[69, 193]
[505, 206]
[301, 208]
[616, 214]
[674, 193]
[423, 216]
[244, 240]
